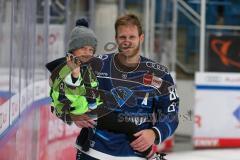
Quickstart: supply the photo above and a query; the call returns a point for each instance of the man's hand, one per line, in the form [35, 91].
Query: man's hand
[145, 139]
[83, 121]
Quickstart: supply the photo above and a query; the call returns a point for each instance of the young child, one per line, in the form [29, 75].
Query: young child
[73, 83]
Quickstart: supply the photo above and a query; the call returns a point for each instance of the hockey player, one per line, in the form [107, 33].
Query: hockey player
[143, 98]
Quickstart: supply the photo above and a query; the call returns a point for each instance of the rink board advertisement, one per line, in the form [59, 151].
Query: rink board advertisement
[217, 110]
[38, 130]
[56, 140]
[4, 117]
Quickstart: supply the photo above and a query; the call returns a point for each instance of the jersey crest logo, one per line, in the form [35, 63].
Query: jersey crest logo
[121, 94]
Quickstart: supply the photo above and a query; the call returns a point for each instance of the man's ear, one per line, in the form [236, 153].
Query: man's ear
[116, 37]
[141, 38]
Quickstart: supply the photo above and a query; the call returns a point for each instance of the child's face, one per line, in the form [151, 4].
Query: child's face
[84, 54]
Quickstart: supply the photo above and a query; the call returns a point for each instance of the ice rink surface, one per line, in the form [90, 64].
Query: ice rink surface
[213, 154]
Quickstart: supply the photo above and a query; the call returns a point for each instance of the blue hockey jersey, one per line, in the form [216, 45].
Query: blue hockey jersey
[145, 97]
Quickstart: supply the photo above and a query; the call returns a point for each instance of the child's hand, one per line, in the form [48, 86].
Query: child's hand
[74, 63]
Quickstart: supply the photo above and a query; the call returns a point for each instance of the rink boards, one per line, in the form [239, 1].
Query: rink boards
[217, 110]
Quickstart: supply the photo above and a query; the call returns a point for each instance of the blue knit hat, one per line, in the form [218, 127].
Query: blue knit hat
[81, 36]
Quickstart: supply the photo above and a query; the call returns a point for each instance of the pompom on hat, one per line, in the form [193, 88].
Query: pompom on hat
[81, 36]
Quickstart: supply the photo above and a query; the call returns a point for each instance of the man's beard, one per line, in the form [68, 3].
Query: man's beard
[133, 52]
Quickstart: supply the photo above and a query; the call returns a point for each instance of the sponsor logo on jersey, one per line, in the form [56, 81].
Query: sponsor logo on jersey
[149, 79]
[156, 81]
[156, 66]
[103, 74]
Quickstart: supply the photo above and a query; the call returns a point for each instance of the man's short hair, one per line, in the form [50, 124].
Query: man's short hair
[128, 19]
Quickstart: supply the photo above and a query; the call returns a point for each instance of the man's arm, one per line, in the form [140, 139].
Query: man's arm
[166, 112]
[165, 119]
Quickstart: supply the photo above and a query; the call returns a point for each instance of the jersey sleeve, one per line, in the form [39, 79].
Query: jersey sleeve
[166, 110]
